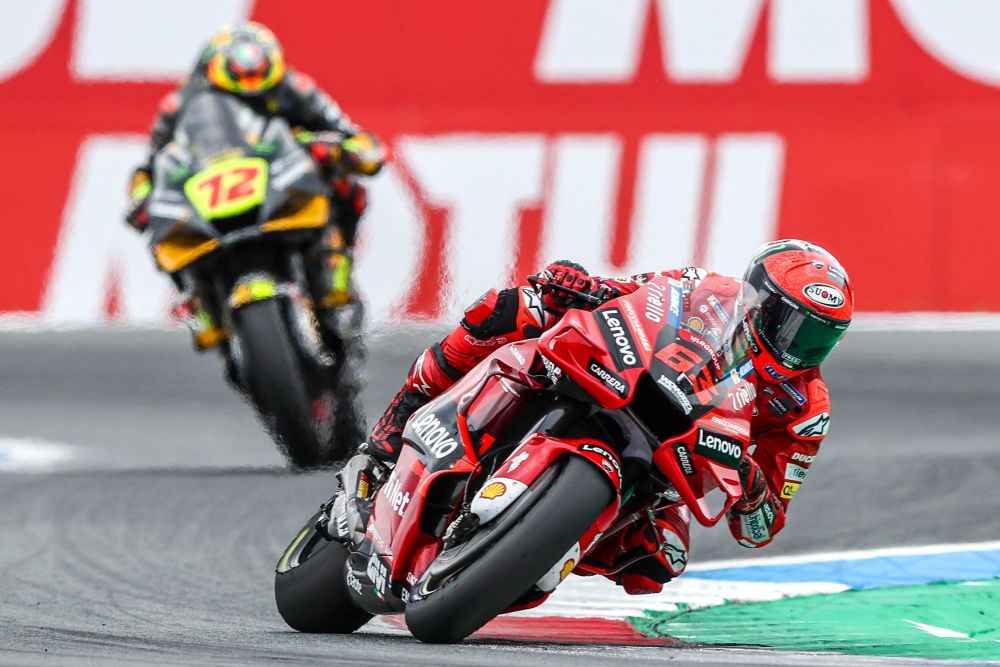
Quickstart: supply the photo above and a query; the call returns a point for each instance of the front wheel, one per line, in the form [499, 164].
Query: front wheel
[310, 586]
[276, 383]
[517, 559]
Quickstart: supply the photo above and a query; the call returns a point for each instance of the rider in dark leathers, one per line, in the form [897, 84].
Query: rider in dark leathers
[246, 60]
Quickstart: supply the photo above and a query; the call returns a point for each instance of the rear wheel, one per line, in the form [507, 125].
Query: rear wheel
[517, 559]
[310, 587]
[276, 383]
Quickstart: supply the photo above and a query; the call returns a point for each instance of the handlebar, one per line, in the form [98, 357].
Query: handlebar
[540, 284]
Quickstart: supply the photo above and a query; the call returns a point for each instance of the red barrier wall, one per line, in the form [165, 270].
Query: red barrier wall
[896, 171]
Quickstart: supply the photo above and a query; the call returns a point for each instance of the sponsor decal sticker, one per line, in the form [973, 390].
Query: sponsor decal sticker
[676, 392]
[794, 473]
[353, 582]
[378, 574]
[636, 325]
[376, 536]
[824, 295]
[655, 309]
[517, 354]
[775, 375]
[813, 427]
[719, 448]
[696, 324]
[534, 305]
[489, 342]
[804, 458]
[618, 338]
[435, 437]
[675, 552]
[551, 370]
[703, 344]
[717, 307]
[743, 395]
[493, 490]
[789, 489]
[676, 299]
[778, 407]
[516, 462]
[567, 568]
[684, 458]
[606, 455]
[394, 494]
[794, 393]
[731, 426]
[756, 527]
[693, 273]
[613, 381]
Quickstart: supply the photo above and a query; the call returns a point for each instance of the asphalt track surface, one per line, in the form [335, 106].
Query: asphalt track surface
[155, 543]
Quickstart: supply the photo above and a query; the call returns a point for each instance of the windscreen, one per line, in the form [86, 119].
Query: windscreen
[212, 124]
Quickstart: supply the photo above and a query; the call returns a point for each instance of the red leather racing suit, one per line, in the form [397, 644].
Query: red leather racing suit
[790, 418]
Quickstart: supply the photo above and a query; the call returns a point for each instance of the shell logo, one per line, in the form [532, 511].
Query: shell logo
[493, 490]
[567, 568]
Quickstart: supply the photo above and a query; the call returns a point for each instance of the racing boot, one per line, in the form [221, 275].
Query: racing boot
[345, 517]
[386, 439]
[204, 328]
[339, 308]
[334, 288]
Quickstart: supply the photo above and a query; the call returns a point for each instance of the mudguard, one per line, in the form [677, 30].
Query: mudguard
[254, 287]
[530, 459]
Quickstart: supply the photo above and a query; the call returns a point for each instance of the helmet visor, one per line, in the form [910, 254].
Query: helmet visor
[798, 339]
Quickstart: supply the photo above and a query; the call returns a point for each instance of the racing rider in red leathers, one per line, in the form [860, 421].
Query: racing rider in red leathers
[247, 60]
[803, 307]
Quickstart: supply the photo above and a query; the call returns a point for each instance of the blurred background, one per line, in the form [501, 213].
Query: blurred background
[631, 135]
[628, 135]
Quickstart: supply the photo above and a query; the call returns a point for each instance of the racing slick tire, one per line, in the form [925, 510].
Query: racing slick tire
[276, 383]
[310, 586]
[516, 560]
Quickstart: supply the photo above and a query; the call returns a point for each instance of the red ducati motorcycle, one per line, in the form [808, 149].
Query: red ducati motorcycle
[513, 476]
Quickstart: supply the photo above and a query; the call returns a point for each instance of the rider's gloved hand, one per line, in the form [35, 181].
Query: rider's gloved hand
[754, 487]
[324, 147]
[363, 153]
[753, 519]
[140, 187]
[563, 275]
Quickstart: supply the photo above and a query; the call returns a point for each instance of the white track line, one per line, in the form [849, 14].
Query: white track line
[32, 455]
[859, 554]
[925, 321]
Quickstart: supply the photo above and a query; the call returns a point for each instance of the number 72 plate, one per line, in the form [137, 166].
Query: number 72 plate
[228, 188]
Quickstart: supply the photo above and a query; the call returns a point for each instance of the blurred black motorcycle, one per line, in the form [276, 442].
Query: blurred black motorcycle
[237, 204]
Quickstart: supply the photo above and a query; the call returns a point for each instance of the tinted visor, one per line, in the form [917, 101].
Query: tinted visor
[797, 338]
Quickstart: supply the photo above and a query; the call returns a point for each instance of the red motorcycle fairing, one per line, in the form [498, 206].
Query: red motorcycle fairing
[534, 456]
[665, 373]
[693, 399]
[443, 443]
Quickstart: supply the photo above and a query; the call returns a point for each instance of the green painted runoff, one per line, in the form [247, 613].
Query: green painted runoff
[953, 621]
